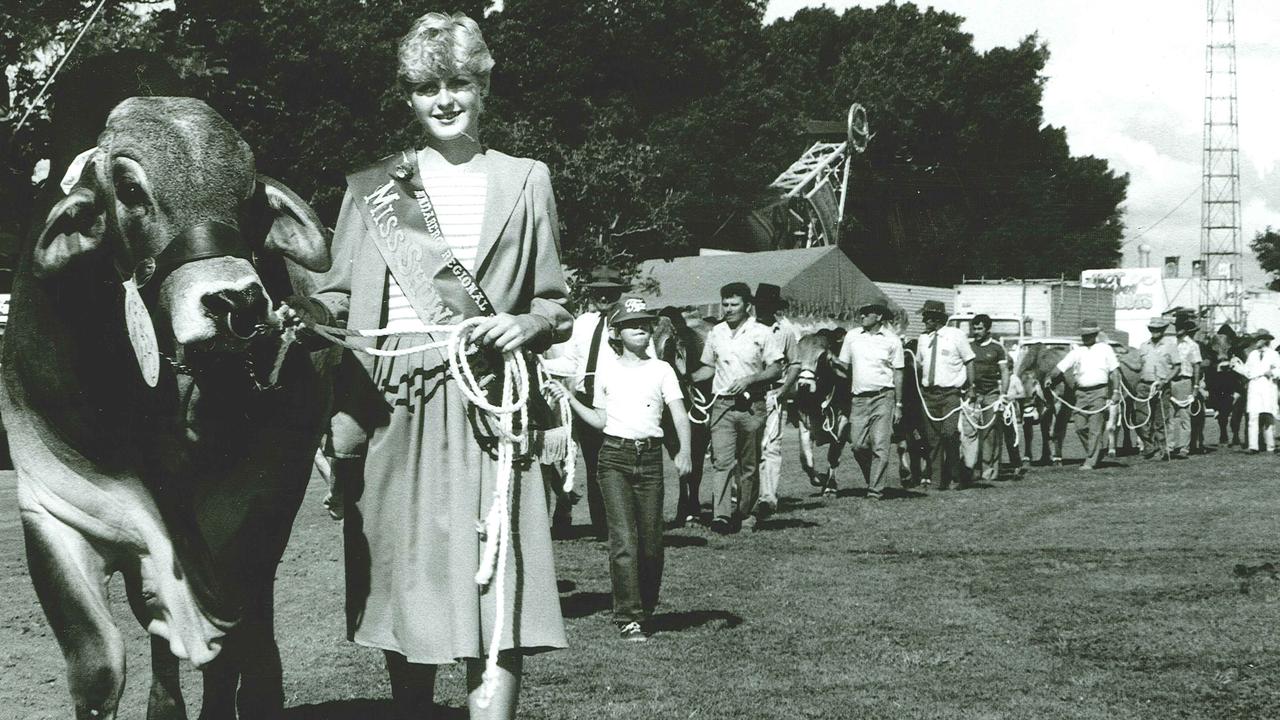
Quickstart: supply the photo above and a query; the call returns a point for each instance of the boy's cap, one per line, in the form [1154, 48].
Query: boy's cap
[630, 308]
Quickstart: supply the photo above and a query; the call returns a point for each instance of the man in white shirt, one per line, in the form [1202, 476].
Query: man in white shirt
[582, 357]
[1097, 383]
[1186, 378]
[872, 358]
[945, 361]
[742, 360]
[769, 302]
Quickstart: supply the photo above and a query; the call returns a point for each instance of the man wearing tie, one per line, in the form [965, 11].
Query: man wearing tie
[946, 375]
[582, 357]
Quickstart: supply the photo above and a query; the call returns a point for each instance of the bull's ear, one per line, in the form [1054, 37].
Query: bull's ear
[76, 226]
[295, 230]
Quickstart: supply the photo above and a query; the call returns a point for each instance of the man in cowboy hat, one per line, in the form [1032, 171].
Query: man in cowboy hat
[945, 361]
[1097, 373]
[872, 358]
[768, 303]
[1159, 354]
[1183, 387]
[742, 360]
[582, 357]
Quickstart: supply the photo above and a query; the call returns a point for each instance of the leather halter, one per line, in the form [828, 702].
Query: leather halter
[202, 241]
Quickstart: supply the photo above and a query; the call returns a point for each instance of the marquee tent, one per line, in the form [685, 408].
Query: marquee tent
[817, 282]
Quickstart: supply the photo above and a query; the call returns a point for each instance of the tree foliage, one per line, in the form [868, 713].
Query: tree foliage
[1266, 247]
[663, 121]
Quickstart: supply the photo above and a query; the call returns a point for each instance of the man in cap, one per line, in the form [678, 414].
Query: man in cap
[872, 358]
[1159, 354]
[1097, 373]
[768, 302]
[742, 360]
[1182, 388]
[990, 383]
[945, 361]
[582, 357]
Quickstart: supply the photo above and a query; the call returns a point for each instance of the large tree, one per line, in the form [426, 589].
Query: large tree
[663, 121]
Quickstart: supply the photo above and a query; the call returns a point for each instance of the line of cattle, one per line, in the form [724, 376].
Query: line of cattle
[821, 401]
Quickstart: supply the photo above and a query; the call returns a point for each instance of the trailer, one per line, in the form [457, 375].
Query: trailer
[1035, 308]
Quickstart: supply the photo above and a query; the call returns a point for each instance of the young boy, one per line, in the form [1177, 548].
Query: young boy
[629, 400]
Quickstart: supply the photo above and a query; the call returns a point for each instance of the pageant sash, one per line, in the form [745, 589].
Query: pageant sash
[406, 231]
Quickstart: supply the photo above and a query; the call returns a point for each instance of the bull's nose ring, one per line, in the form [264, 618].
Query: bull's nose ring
[231, 328]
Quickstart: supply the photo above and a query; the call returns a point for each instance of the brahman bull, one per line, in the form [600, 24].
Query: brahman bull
[148, 447]
[822, 408]
[1036, 362]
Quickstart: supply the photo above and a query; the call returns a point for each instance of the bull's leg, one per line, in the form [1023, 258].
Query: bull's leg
[70, 579]
[1046, 435]
[165, 699]
[1061, 423]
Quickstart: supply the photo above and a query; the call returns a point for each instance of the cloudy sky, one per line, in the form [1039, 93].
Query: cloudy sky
[1126, 79]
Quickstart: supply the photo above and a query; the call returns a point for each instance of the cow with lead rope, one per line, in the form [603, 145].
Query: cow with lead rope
[1097, 390]
[821, 408]
[160, 424]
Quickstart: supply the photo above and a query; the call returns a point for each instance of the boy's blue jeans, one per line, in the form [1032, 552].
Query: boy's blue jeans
[631, 486]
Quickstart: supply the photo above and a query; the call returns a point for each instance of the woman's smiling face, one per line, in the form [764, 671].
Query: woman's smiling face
[449, 108]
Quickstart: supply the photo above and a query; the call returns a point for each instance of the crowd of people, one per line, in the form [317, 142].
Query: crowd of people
[932, 412]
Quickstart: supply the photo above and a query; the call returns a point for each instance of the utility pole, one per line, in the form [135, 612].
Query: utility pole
[1221, 253]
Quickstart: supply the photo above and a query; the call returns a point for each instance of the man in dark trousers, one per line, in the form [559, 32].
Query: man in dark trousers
[580, 357]
[945, 361]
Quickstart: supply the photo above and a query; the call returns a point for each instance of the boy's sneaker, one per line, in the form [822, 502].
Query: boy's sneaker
[632, 632]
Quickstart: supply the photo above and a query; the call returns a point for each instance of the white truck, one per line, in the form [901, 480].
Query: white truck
[1022, 309]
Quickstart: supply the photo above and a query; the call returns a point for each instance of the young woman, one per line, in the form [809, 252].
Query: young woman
[431, 236]
[629, 400]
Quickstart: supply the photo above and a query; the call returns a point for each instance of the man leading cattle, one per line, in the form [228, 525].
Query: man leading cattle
[946, 372]
[180, 474]
[1159, 354]
[1097, 380]
[872, 359]
[1183, 388]
[742, 359]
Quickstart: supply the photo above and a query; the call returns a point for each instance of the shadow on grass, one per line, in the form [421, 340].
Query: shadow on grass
[361, 710]
[783, 524]
[564, 586]
[675, 622]
[584, 604]
[683, 541]
[888, 493]
[786, 505]
[574, 532]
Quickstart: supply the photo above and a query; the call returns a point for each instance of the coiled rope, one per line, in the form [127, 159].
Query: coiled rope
[495, 529]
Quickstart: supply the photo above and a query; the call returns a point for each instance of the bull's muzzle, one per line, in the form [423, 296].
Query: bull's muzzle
[241, 313]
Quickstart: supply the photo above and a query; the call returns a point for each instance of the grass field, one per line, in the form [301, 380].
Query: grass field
[1104, 595]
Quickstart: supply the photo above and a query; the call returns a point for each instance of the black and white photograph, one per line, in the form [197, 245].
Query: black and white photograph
[643, 359]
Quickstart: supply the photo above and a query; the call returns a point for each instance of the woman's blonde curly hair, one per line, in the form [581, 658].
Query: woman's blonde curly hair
[442, 46]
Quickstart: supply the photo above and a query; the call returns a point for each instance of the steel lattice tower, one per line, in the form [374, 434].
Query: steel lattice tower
[1221, 253]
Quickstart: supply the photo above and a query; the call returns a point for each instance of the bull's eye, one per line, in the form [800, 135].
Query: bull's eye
[130, 193]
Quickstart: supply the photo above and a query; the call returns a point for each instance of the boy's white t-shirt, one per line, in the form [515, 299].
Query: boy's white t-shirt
[633, 397]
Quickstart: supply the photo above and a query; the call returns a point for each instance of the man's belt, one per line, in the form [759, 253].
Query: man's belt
[1090, 387]
[872, 393]
[629, 444]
